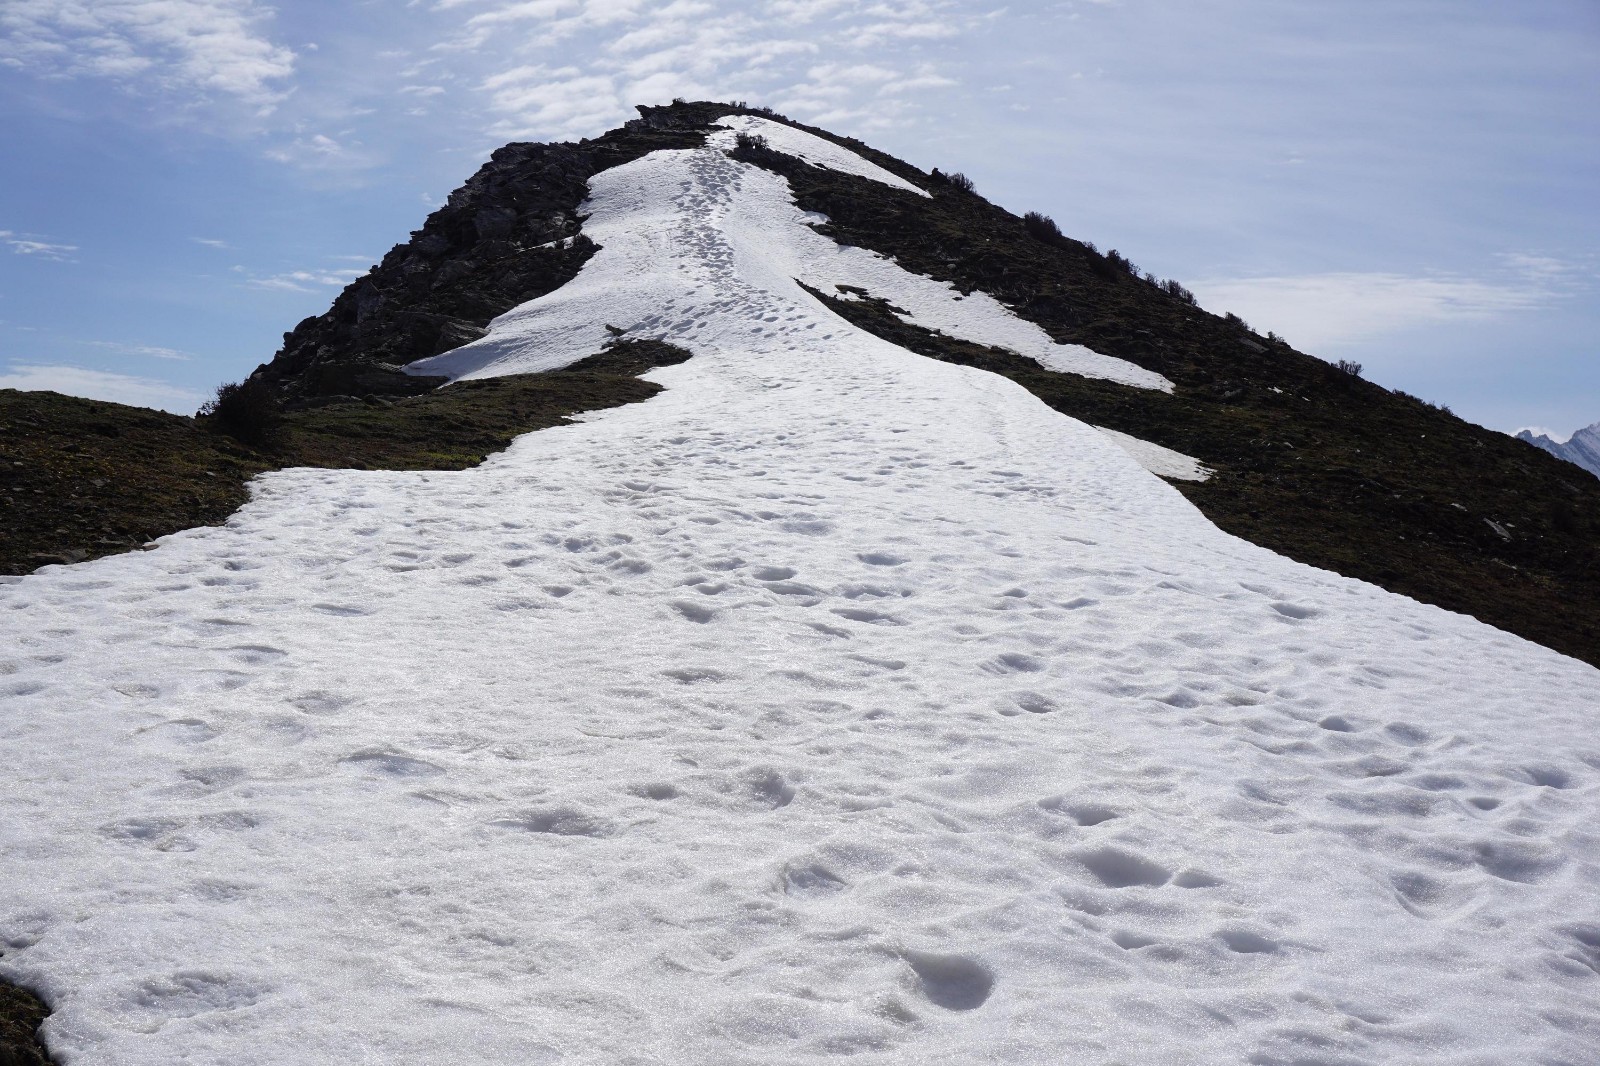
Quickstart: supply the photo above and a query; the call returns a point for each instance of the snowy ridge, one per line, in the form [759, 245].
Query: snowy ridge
[693, 244]
[1581, 449]
[835, 703]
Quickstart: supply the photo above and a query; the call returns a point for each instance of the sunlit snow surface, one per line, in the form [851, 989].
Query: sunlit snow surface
[817, 151]
[1159, 460]
[835, 704]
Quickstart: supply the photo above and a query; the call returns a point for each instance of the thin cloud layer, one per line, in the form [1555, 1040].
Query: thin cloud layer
[21, 244]
[101, 385]
[827, 60]
[1321, 313]
[305, 280]
[198, 46]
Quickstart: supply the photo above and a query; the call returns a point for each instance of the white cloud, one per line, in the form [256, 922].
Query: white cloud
[563, 101]
[320, 152]
[209, 242]
[646, 51]
[21, 244]
[101, 385]
[198, 46]
[1324, 311]
[149, 350]
[305, 280]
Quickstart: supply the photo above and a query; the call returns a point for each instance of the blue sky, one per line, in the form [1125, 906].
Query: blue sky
[1410, 184]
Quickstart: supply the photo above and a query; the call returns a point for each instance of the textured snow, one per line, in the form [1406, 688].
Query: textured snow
[658, 267]
[834, 704]
[1164, 462]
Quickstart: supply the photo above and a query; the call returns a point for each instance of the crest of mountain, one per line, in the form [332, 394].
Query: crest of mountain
[1581, 449]
[844, 672]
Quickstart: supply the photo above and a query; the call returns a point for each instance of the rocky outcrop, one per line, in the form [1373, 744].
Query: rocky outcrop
[512, 233]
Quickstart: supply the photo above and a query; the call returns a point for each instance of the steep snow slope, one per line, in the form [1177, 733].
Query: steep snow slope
[670, 227]
[1582, 448]
[835, 703]
[814, 150]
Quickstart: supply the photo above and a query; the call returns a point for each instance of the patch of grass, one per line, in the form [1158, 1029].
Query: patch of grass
[21, 1012]
[81, 478]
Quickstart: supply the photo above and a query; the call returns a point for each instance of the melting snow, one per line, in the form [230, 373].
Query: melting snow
[818, 151]
[836, 703]
[1158, 460]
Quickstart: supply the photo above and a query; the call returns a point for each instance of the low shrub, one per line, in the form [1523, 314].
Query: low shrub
[1042, 227]
[249, 411]
[956, 180]
[1172, 288]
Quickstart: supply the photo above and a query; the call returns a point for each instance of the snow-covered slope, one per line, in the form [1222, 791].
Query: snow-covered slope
[1582, 448]
[692, 243]
[835, 704]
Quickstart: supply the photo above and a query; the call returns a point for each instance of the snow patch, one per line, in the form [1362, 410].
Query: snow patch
[818, 151]
[1163, 462]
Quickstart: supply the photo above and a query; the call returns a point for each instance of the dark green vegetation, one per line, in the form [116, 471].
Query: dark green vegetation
[20, 1014]
[80, 478]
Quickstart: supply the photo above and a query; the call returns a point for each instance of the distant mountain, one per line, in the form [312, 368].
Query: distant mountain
[1582, 449]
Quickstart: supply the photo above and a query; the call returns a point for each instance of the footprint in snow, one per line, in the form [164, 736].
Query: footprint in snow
[1115, 868]
[557, 821]
[392, 765]
[1014, 663]
[811, 880]
[954, 982]
[1085, 814]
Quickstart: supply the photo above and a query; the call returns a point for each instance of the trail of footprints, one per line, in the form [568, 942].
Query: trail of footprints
[776, 671]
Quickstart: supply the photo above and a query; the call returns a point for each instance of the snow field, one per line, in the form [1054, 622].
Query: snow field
[835, 703]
